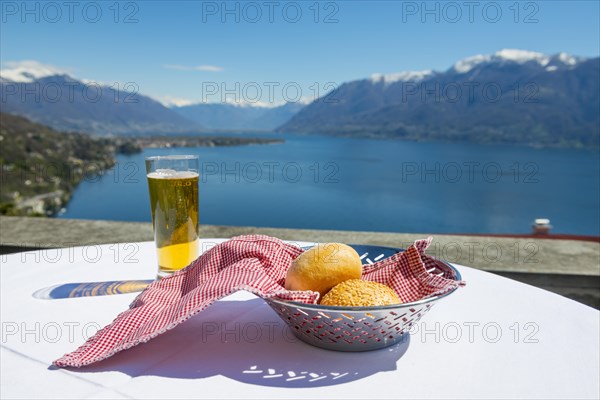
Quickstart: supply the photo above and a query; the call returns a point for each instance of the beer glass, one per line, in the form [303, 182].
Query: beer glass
[173, 187]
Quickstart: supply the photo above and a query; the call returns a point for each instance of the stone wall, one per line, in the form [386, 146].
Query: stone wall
[568, 267]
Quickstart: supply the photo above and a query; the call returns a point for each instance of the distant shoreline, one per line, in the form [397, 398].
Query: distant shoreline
[426, 139]
[130, 145]
[349, 134]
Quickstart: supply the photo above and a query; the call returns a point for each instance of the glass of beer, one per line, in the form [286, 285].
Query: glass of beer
[173, 187]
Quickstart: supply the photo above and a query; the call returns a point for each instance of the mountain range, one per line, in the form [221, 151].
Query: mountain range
[58, 100]
[512, 96]
[222, 116]
[68, 104]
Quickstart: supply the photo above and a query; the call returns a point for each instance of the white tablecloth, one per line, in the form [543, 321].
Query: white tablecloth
[494, 338]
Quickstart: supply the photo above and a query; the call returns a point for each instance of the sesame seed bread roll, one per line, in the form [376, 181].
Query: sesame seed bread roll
[359, 293]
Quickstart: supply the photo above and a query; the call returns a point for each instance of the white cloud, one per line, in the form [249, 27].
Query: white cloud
[207, 68]
[29, 70]
[306, 100]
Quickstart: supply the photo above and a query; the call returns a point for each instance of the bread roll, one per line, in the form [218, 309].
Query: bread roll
[322, 267]
[359, 293]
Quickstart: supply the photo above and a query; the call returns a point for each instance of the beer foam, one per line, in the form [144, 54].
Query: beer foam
[172, 174]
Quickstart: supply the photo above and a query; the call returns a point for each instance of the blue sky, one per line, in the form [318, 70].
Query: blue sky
[186, 50]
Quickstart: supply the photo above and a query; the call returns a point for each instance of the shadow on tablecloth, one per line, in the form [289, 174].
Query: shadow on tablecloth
[246, 341]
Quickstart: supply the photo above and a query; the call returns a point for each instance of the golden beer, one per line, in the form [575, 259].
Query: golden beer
[174, 205]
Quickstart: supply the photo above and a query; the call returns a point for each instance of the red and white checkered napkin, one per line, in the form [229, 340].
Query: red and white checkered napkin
[254, 263]
[406, 273]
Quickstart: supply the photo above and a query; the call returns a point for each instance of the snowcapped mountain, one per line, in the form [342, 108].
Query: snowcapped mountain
[405, 76]
[28, 71]
[511, 96]
[51, 96]
[507, 56]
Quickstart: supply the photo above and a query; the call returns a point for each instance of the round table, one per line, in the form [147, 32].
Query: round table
[494, 338]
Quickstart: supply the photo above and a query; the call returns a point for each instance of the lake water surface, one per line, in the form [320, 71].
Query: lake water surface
[372, 185]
